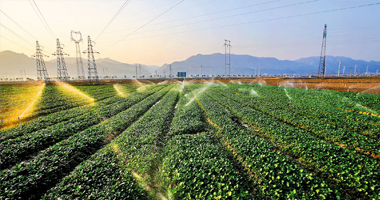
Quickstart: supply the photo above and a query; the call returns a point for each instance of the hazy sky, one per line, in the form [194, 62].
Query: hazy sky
[285, 29]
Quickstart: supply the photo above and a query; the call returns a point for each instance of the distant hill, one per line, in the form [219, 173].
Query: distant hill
[11, 63]
[332, 64]
[246, 64]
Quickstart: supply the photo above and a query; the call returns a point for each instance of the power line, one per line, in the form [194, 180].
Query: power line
[15, 34]
[147, 23]
[114, 17]
[266, 20]
[257, 11]
[15, 43]
[43, 18]
[236, 15]
[192, 17]
[18, 25]
[253, 5]
[179, 9]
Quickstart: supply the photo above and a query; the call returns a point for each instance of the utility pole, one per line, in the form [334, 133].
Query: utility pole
[351, 72]
[322, 60]
[355, 70]
[229, 58]
[92, 71]
[61, 64]
[227, 43]
[80, 71]
[340, 63]
[201, 72]
[259, 70]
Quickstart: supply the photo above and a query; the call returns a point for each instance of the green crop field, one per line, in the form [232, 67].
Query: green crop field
[188, 141]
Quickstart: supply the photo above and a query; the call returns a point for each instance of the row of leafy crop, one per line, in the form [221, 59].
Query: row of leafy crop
[366, 99]
[354, 174]
[188, 117]
[52, 99]
[12, 97]
[272, 173]
[328, 132]
[133, 150]
[15, 103]
[99, 92]
[48, 120]
[354, 110]
[347, 100]
[56, 96]
[334, 117]
[31, 179]
[62, 116]
[99, 177]
[51, 119]
[323, 100]
[195, 166]
[23, 147]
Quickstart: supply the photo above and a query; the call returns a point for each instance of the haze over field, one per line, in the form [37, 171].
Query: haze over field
[212, 64]
[156, 33]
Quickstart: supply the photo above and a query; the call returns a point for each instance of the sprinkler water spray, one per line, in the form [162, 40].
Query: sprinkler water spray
[19, 121]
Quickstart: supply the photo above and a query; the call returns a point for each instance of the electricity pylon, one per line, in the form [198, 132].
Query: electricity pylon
[61, 64]
[322, 60]
[225, 57]
[42, 73]
[80, 71]
[92, 71]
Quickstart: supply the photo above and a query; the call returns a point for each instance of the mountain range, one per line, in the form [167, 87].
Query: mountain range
[213, 64]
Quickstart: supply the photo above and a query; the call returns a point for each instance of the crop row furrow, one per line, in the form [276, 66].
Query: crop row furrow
[313, 98]
[355, 174]
[24, 147]
[61, 116]
[138, 142]
[34, 177]
[273, 174]
[310, 110]
[331, 133]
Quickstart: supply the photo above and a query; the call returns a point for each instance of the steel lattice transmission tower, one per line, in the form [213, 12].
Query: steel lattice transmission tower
[92, 71]
[61, 65]
[42, 73]
[227, 43]
[80, 71]
[322, 60]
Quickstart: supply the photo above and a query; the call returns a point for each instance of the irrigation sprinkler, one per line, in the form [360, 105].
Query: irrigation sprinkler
[19, 121]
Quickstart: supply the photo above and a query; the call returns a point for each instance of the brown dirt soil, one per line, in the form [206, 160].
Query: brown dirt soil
[367, 84]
